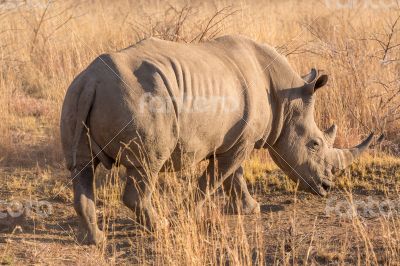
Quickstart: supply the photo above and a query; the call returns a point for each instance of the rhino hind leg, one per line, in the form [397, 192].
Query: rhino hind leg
[137, 197]
[239, 198]
[84, 204]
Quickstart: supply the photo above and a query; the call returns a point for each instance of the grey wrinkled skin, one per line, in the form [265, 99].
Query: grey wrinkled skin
[141, 104]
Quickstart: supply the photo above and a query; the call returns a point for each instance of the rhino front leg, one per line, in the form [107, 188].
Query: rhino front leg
[137, 197]
[239, 198]
[218, 170]
[84, 204]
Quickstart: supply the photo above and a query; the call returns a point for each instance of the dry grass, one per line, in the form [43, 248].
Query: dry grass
[294, 227]
[44, 45]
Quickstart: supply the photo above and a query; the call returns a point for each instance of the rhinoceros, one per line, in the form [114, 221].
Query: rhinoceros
[157, 102]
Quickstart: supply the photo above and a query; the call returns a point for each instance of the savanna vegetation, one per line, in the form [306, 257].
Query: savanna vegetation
[45, 44]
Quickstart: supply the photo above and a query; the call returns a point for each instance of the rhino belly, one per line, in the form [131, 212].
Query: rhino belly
[125, 132]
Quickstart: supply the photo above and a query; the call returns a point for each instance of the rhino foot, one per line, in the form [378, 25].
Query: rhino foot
[244, 207]
[150, 220]
[155, 223]
[86, 238]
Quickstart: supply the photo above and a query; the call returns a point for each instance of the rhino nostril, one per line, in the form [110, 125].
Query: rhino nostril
[326, 184]
[334, 170]
[326, 187]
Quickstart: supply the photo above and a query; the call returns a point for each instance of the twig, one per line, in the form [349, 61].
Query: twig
[37, 29]
[386, 44]
[211, 24]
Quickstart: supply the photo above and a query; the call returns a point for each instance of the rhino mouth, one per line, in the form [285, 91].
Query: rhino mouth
[324, 187]
[321, 187]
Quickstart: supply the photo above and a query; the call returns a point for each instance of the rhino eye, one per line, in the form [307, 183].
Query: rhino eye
[314, 144]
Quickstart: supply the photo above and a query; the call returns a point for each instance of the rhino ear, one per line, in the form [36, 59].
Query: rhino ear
[321, 81]
[314, 81]
[310, 76]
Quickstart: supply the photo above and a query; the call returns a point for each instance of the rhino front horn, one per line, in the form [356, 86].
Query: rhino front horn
[345, 157]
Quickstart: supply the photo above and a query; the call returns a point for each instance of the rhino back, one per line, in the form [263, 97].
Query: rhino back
[206, 95]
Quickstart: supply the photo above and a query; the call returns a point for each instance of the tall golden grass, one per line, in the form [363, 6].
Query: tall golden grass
[44, 45]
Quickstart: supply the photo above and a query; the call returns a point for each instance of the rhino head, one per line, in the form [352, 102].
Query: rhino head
[304, 152]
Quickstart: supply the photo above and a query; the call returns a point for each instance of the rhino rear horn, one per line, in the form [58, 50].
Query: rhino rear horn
[330, 134]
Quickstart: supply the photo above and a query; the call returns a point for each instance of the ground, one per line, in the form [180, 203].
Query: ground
[293, 227]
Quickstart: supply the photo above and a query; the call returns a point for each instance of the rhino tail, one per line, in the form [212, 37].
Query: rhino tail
[84, 106]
